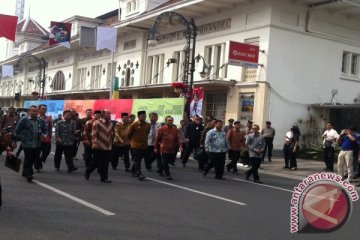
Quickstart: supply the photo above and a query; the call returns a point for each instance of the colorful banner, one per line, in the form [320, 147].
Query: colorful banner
[162, 106]
[60, 33]
[54, 107]
[116, 107]
[196, 102]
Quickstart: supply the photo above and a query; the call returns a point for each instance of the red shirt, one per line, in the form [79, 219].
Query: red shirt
[168, 139]
[236, 140]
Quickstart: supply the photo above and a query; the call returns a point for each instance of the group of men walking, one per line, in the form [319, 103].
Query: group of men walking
[105, 142]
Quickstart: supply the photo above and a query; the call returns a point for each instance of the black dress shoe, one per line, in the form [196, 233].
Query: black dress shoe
[228, 168]
[160, 173]
[106, 181]
[72, 169]
[205, 172]
[220, 178]
[114, 168]
[258, 181]
[172, 164]
[247, 177]
[87, 175]
[169, 178]
[29, 178]
[141, 177]
[285, 167]
[127, 170]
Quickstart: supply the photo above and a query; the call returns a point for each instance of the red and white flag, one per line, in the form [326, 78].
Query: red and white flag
[8, 25]
[196, 101]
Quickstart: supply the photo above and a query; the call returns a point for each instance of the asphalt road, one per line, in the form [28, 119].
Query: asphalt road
[59, 205]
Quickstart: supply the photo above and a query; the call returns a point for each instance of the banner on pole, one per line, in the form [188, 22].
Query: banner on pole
[196, 104]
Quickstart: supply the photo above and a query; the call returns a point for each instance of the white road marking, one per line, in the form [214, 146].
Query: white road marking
[198, 192]
[78, 200]
[264, 185]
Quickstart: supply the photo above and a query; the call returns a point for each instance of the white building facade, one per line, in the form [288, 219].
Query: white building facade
[309, 56]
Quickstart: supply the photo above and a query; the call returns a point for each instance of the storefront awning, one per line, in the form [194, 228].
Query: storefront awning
[337, 106]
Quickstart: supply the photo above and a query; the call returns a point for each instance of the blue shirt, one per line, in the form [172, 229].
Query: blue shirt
[30, 131]
[347, 144]
[215, 141]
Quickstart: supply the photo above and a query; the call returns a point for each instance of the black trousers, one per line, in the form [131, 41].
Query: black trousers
[269, 147]
[292, 155]
[88, 155]
[204, 160]
[68, 152]
[246, 159]
[183, 151]
[217, 160]
[138, 155]
[254, 170]
[235, 155]
[189, 148]
[0, 194]
[286, 151]
[45, 151]
[101, 159]
[166, 158]
[150, 157]
[31, 155]
[121, 151]
[329, 153]
[75, 148]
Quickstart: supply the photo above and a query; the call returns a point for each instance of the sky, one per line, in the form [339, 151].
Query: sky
[44, 11]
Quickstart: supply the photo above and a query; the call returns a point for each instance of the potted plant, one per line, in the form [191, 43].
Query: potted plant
[178, 87]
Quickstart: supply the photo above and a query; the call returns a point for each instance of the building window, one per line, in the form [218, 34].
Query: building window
[350, 64]
[155, 67]
[128, 77]
[132, 6]
[59, 81]
[344, 62]
[177, 75]
[216, 105]
[110, 73]
[214, 56]
[354, 64]
[79, 84]
[95, 77]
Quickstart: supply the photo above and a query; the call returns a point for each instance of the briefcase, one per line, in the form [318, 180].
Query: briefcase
[13, 163]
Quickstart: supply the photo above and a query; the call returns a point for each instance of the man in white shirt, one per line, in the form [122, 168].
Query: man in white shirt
[329, 140]
[150, 156]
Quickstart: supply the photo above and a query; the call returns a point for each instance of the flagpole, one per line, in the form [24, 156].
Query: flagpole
[112, 75]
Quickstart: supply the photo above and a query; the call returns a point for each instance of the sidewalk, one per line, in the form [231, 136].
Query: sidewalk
[305, 168]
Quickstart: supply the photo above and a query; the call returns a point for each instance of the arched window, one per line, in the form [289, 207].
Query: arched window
[127, 77]
[59, 81]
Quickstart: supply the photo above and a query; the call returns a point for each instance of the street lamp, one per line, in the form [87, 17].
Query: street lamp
[206, 67]
[190, 35]
[41, 66]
